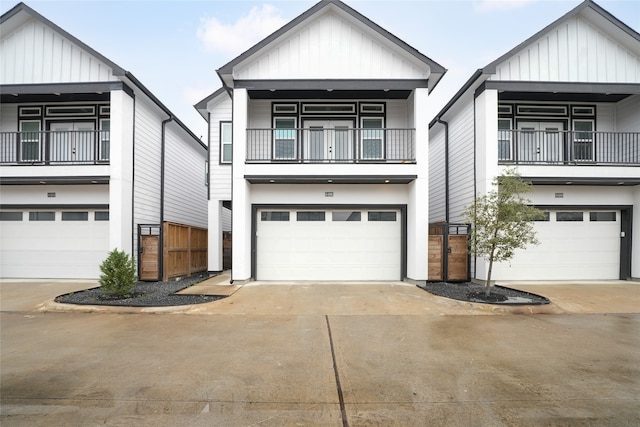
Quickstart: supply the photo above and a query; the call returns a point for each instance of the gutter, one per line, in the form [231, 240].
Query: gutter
[162, 161]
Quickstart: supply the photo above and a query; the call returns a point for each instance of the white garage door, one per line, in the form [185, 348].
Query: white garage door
[69, 244]
[574, 245]
[328, 245]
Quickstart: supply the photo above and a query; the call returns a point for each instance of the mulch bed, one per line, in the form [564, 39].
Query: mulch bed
[473, 292]
[144, 294]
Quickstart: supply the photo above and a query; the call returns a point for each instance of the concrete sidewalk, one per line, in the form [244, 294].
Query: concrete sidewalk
[330, 298]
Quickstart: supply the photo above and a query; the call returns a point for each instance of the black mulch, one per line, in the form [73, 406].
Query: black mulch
[473, 292]
[144, 294]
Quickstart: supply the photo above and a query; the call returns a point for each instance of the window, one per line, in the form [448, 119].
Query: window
[372, 138]
[285, 108]
[75, 216]
[372, 108]
[569, 216]
[30, 141]
[310, 216]
[105, 137]
[504, 139]
[72, 110]
[284, 139]
[346, 216]
[101, 216]
[10, 216]
[226, 142]
[105, 110]
[382, 216]
[504, 109]
[545, 217]
[583, 139]
[42, 216]
[583, 111]
[602, 216]
[543, 110]
[328, 108]
[30, 111]
[274, 216]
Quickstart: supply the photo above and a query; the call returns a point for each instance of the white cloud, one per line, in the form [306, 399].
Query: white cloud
[237, 37]
[493, 5]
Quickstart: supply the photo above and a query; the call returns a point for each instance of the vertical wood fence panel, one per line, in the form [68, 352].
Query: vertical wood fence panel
[185, 250]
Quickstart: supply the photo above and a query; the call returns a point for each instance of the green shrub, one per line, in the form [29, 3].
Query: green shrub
[118, 274]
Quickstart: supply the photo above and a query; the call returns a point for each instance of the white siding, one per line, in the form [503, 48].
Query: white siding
[574, 51]
[260, 115]
[628, 114]
[8, 118]
[146, 209]
[332, 46]
[219, 174]
[461, 161]
[397, 114]
[226, 219]
[34, 53]
[185, 190]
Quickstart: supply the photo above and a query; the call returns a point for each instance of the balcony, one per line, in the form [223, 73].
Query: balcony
[532, 147]
[331, 145]
[90, 147]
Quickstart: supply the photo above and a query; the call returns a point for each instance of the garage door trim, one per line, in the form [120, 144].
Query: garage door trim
[403, 226]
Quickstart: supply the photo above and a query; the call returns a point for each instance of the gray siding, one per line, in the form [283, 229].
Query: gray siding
[628, 114]
[185, 179]
[436, 174]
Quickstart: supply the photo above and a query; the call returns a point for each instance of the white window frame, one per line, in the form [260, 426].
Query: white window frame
[226, 141]
[37, 139]
[291, 132]
[589, 140]
[105, 140]
[367, 135]
[505, 137]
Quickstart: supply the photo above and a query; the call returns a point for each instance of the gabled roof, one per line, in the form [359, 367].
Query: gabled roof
[201, 106]
[20, 13]
[482, 74]
[435, 68]
[490, 68]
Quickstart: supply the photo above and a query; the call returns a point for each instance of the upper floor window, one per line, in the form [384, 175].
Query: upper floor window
[372, 138]
[284, 138]
[29, 140]
[226, 142]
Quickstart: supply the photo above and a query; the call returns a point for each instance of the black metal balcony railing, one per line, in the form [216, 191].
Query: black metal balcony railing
[335, 145]
[54, 147]
[568, 147]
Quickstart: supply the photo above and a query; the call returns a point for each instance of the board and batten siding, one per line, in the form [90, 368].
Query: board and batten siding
[53, 58]
[219, 174]
[185, 189]
[436, 174]
[575, 51]
[332, 47]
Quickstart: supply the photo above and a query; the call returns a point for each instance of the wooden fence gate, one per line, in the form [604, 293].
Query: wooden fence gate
[184, 251]
[448, 262]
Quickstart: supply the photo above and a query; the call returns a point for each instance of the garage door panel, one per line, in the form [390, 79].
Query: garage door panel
[328, 250]
[53, 249]
[568, 250]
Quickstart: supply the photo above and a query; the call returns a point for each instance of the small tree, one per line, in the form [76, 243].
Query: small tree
[118, 274]
[501, 221]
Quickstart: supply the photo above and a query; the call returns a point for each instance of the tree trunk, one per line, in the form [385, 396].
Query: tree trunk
[487, 288]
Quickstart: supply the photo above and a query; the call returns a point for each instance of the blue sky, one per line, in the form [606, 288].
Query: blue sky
[174, 47]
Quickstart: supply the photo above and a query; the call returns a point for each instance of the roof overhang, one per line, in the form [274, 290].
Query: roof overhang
[330, 179]
[54, 180]
[60, 92]
[560, 91]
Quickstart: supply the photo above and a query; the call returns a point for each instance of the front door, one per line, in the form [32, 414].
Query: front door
[71, 142]
[540, 142]
[328, 140]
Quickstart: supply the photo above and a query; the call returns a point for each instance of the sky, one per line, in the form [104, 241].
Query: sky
[175, 47]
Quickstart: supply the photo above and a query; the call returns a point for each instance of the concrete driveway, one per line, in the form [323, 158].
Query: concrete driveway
[273, 355]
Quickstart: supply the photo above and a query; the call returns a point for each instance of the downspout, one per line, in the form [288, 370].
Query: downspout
[162, 158]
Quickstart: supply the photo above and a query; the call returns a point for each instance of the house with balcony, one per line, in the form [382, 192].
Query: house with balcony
[90, 159]
[318, 153]
[563, 108]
